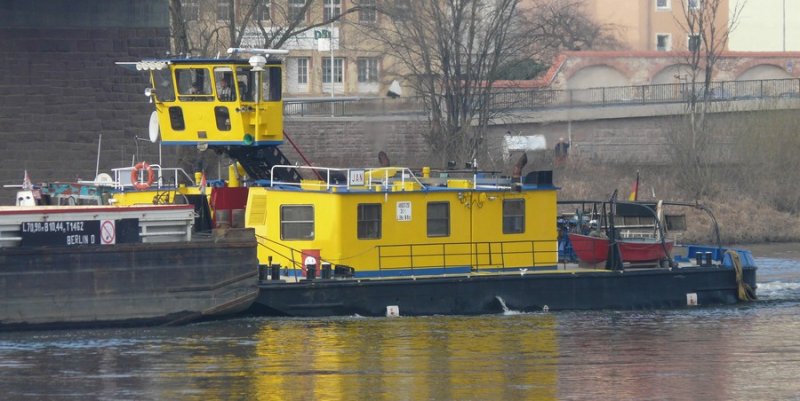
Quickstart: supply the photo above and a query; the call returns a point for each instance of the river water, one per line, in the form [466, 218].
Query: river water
[741, 352]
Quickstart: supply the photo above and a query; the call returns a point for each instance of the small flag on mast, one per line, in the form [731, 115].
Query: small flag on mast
[635, 190]
[26, 182]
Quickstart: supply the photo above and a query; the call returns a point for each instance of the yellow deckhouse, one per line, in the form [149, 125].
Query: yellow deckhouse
[391, 222]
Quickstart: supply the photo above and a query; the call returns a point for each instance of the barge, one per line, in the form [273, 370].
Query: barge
[102, 266]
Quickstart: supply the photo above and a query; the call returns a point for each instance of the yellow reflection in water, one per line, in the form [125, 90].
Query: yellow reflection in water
[511, 357]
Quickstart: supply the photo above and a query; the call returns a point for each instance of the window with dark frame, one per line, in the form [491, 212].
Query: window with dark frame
[194, 84]
[367, 69]
[297, 10]
[297, 222]
[368, 11]
[338, 67]
[191, 10]
[438, 219]
[262, 12]
[693, 43]
[513, 216]
[165, 91]
[223, 10]
[369, 221]
[662, 42]
[302, 70]
[331, 9]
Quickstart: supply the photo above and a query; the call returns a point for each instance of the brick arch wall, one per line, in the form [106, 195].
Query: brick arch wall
[640, 68]
[600, 72]
[752, 68]
[666, 75]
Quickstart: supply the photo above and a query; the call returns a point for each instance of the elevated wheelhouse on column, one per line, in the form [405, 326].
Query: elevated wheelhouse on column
[230, 105]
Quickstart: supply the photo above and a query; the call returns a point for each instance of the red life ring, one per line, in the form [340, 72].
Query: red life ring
[142, 167]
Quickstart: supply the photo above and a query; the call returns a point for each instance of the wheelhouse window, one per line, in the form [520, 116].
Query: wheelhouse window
[297, 222]
[272, 89]
[244, 80]
[162, 82]
[332, 9]
[194, 84]
[369, 221]
[223, 77]
[513, 216]
[438, 219]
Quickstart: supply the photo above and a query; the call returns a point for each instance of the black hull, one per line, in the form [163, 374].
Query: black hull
[482, 294]
[128, 284]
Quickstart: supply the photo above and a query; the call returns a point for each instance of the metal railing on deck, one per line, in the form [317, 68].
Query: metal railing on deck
[496, 255]
[329, 177]
[163, 177]
[534, 99]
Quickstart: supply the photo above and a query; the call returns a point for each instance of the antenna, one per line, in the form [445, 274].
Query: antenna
[235, 50]
[97, 166]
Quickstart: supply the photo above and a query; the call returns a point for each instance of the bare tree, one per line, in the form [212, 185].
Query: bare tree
[205, 27]
[451, 52]
[447, 50]
[555, 25]
[180, 37]
[708, 24]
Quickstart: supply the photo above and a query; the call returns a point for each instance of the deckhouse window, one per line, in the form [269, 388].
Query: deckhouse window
[513, 216]
[369, 221]
[438, 219]
[297, 222]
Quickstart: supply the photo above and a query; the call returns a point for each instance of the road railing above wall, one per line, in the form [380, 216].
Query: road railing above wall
[537, 99]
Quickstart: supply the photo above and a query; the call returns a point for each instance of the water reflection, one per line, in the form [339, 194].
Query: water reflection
[414, 358]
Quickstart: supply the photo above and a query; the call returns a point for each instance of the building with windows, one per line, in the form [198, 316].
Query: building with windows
[326, 60]
[652, 25]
